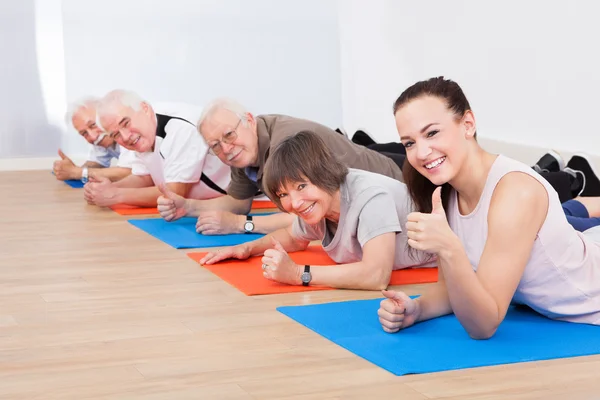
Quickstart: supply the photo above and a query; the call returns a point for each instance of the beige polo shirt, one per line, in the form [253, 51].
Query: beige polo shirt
[272, 129]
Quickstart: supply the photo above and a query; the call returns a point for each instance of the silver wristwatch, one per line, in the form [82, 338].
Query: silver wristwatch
[306, 276]
[248, 225]
[84, 175]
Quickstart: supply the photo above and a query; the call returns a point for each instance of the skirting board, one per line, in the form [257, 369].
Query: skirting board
[523, 153]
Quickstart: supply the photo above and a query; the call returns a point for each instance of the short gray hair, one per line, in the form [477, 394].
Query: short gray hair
[223, 103]
[125, 98]
[74, 107]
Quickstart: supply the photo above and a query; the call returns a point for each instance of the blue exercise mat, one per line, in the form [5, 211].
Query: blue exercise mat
[442, 344]
[181, 234]
[74, 183]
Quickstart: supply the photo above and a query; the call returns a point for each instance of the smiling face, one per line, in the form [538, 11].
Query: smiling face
[134, 130]
[230, 138]
[84, 121]
[306, 200]
[436, 139]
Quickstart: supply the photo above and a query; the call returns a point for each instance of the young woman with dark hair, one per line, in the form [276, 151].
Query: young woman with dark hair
[496, 226]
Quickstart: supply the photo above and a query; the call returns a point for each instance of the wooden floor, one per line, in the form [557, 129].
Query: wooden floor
[92, 308]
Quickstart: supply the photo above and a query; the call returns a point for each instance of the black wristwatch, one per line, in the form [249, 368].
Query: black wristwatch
[306, 276]
[248, 225]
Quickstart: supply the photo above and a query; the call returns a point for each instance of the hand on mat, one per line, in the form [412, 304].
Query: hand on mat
[397, 311]
[278, 266]
[241, 252]
[100, 191]
[170, 205]
[430, 232]
[64, 168]
[219, 223]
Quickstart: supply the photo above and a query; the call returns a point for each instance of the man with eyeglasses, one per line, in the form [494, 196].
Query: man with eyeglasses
[243, 142]
[82, 117]
[169, 153]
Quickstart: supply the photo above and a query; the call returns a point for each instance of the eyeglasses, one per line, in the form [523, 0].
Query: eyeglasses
[215, 148]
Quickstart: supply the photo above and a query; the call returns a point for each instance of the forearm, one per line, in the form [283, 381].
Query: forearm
[92, 164]
[223, 203]
[356, 275]
[135, 181]
[141, 197]
[112, 173]
[434, 302]
[470, 301]
[283, 236]
[266, 223]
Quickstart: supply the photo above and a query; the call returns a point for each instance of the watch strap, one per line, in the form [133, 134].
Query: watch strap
[84, 175]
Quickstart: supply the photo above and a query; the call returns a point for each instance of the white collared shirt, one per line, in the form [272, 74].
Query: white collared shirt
[182, 156]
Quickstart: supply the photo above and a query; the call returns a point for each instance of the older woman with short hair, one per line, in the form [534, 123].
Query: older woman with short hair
[357, 215]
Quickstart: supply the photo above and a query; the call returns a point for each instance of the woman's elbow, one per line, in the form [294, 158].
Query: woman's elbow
[379, 280]
[482, 334]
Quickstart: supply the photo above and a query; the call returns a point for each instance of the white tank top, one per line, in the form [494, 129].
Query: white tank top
[562, 277]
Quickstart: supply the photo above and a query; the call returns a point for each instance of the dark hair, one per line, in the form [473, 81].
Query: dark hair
[303, 156]
[419, 187]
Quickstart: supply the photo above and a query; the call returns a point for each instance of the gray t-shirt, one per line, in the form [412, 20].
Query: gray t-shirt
[371, 205]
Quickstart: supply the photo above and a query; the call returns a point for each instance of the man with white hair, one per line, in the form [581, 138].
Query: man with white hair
[169, 153]
[243, 142]
[82, 117]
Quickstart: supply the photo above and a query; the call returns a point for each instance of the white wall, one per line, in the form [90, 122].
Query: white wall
[25, 130]
[531, 69]
[274, 56]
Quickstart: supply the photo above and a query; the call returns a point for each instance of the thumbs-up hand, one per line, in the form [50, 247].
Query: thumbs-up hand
[170, 205]
[397, 311]
[430, 232]
[100, 191]
[278, 266]
[64, 168]
[436, 202]
[64, 157]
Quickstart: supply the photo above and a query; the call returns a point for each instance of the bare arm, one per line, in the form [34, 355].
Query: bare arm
[268, 223]
[135, 181]
[139, 190]
[91, 164]
[222, 222]
[434, 302]
[224, 203]
[373, 272]
[112, 173]
[257, 247]
[480, 299]
[284, 236]
[146, 197]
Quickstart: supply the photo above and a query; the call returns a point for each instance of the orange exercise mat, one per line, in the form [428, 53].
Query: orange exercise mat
[247, 276]
[124, 209]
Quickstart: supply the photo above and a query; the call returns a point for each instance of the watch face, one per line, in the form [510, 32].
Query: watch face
[249, 226]
[305, 277]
